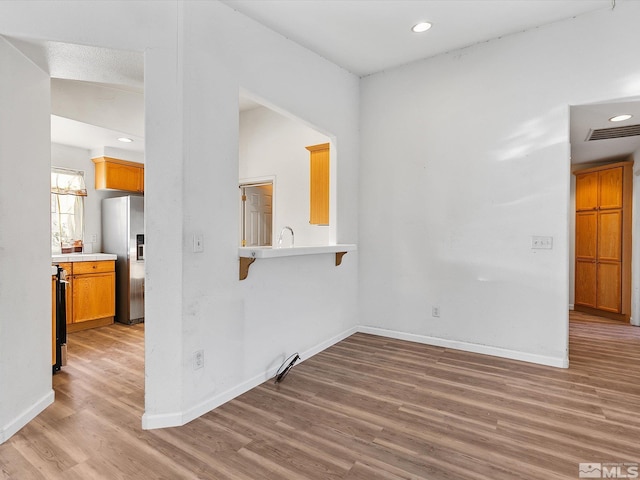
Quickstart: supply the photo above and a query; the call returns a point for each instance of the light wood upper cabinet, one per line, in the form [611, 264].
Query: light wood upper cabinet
[116, 174]
[587, 191]
[610, 188]
[319, 184]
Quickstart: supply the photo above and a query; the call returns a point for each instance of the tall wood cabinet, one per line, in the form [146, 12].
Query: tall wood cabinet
[319, 184]
[603, 240]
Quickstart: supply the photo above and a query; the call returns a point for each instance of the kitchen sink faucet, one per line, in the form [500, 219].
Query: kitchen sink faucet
[282, 233]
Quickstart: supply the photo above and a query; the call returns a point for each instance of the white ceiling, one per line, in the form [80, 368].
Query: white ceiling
[67, 131]
[361, 36]
[365, 37]
[89, 64]
[585, 118]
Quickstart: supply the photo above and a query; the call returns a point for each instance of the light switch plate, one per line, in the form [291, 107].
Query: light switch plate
[541, 242]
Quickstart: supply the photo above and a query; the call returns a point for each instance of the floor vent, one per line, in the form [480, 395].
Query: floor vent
[614, 132]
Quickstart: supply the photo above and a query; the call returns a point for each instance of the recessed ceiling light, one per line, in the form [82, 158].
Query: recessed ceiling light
[620, 118]
[421, 27]
[125, 140]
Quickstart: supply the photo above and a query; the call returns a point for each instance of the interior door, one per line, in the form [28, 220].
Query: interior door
[258, 215]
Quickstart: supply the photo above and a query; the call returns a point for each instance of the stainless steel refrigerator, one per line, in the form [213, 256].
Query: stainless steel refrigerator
[123, 235]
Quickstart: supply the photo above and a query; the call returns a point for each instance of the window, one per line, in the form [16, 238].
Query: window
[67, 210]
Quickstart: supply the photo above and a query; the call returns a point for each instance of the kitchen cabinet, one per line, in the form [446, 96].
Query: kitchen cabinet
[67, 267]
[319, 184]
[603, 240]
[116, 174]
[53, 320]
[90, 294]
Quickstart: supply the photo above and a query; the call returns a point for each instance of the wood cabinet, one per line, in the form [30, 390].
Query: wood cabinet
[319, 184]
[53, 320]
[116, 174]
[603, 240]
[90, 294]
[68, 297]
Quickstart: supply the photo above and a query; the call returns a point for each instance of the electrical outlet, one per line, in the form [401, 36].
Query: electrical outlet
[198, 359]
[94, 238]
[435, 311]
[198, 243]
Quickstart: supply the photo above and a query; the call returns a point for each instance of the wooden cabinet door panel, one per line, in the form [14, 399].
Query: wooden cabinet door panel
[53, 320]
[123, 177]
[141, 180]
[586, 234]
[610, 235]
[68, 296]
[587, 191]
[585, 283]
[102, 266]
[609, 279]
[610, 185]
[93, 296]
[319, 184]
[68, 299]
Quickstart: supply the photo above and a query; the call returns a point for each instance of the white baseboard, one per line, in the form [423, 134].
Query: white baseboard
[571, 306]
[469, 347]
[25, 417]
[177, 419]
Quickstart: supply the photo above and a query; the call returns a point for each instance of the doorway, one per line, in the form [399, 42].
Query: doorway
[598, 138]
[257, 214]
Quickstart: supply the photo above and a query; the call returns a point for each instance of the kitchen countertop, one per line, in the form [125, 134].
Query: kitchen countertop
[82, 257]
[269, 252]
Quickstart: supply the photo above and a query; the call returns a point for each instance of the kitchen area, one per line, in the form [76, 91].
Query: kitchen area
[97, 210]
[95, 289]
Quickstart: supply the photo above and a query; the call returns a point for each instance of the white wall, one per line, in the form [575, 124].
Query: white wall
[285, 305]
[143, 26]
[197, 57]
[471, 151]
[274, 145]
[25, 254]
[572, 242]
[635, 240]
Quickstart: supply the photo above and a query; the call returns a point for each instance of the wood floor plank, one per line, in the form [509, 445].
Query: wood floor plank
[366, 408]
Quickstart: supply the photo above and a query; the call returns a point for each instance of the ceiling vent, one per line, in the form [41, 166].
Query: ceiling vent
[614, 132]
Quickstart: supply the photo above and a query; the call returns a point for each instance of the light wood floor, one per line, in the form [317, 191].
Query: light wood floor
[367, 408]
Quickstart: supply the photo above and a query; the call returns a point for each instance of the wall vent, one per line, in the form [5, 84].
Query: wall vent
[614, 132]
